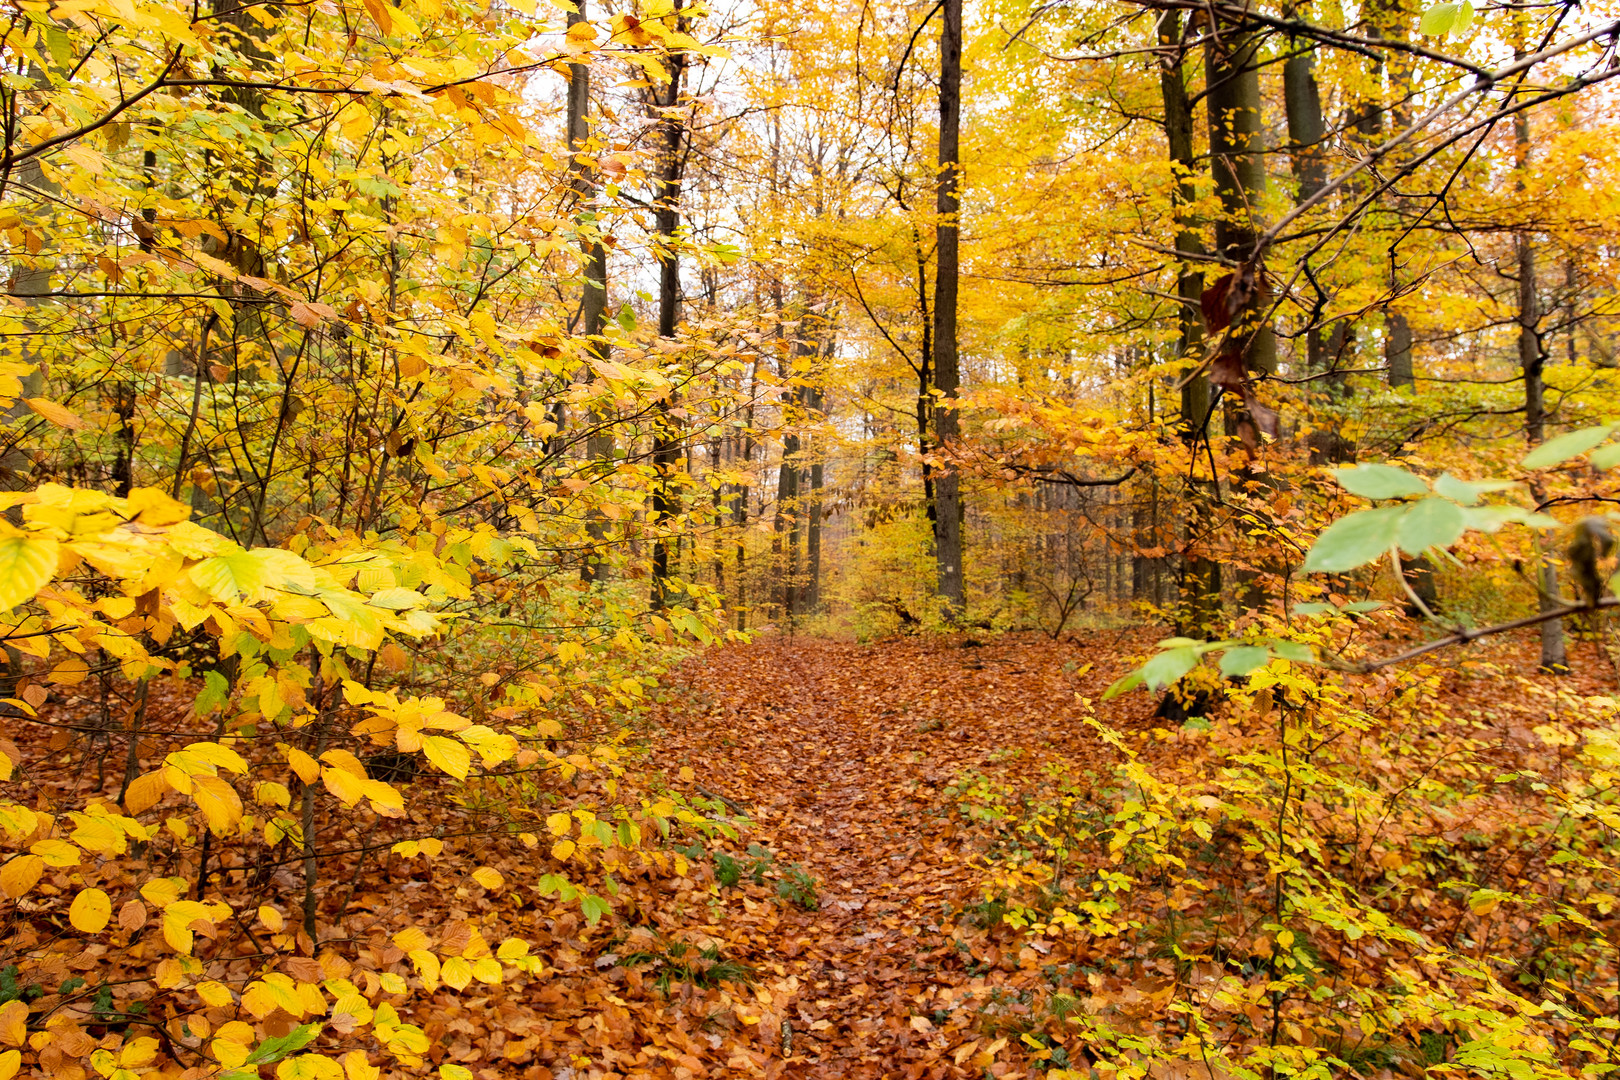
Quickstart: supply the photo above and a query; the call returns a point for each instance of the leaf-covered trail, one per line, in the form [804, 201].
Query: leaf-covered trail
[841, 754]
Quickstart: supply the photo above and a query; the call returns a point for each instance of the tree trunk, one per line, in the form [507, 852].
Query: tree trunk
[785, 543]
[1532, 361]
[812, 538]
[1237, 161]
[947, 372]
[1307, 132]
[739, 516]
[666, 439]
[1200, 606]
[593, 293]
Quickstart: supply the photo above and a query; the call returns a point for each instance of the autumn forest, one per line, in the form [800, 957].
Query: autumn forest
[654, 539]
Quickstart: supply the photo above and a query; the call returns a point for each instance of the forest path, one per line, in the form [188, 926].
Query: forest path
[841, 754]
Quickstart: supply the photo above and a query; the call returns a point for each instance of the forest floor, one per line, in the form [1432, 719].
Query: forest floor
[841, 755]
[847, 760]
[842, 930]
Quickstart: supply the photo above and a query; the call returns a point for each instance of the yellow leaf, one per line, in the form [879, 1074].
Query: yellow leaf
[385, 799]
[145, 792]
[378, 10]
[455, 1072]
[270, 793]
[56, 853]
[448, 754]
[309, 1067]
[59, 415]
[427, 966]
[487, 970]
[456, 973]
[307, 768]
[559, 824]
[687, 775]
[21, 873]
[358, 1068]
[26, 564]
[214, 994]
[219, 802]
[10, 1062]
[411, 938]
[344, 785]
[488, 877]
[91, 911]
[138, 1052]
[271, 918]
[221, 756]
[13, 1023]
[562, 849]
[70, 672]
[161, 892]
[345, 761]
[228, 1052]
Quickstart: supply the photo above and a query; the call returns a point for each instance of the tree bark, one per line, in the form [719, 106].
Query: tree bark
[1237, 162]
[1200, 606]
[666, 439]
[593, 292]
[947, 370]
[1532, 362]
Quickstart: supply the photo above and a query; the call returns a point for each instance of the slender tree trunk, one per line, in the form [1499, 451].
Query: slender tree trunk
[740, 506]
[593, 293]
[947, 371]
[1237, 161]
[1200, 606]
[1307, 132]
[667, 443]
[1532, 362]
[812, 539]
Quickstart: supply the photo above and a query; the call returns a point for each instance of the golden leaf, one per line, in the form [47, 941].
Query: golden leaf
[13, 1023]
[91, 911]
[56, 414]
[20, 874]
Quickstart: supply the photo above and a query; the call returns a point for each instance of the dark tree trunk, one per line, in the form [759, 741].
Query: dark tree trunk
[1200, 606]
[666, 436]
[947, 371]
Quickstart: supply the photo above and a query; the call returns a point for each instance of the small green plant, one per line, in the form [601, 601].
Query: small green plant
[12, 990]
[798, 887]
[680, 962]
[762, 862]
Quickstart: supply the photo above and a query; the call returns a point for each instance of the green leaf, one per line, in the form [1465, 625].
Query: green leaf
[1431, 522]
[1361, 607]
[275, 1049]
[627, 319]
[1488, 519]
[250, 575]
[1355, 540]
[1313, 609]
[26, 564]
[1467, 492]
[1293, 651]
[61, 50]
[594, 908]
[1438, 20]
[1380, 482]
[1570, 444]
[1168, 667]
[1244, 659]
[1605, 457]
[1121, 686]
